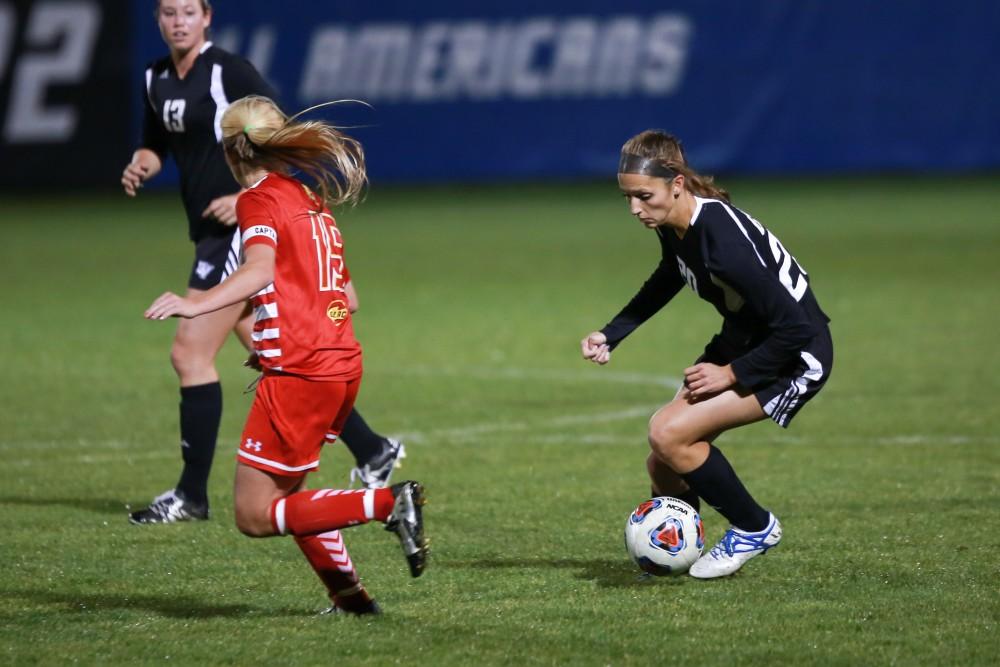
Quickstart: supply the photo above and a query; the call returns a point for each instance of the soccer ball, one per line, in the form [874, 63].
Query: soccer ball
[664, 536]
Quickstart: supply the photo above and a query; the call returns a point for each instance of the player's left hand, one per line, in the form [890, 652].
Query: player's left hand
[170, 305]
[222, 209]
[706, 379]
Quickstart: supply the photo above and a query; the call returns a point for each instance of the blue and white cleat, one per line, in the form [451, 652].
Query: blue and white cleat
[734, 549]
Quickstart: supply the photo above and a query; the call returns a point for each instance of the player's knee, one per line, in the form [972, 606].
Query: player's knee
[253, 523]
[188, 360]
[667, 442]
[180, 356]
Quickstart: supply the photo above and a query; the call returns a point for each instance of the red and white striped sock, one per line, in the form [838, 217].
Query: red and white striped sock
[327, 554]
[323, 510]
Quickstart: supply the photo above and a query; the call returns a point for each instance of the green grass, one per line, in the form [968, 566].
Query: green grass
[473, 303]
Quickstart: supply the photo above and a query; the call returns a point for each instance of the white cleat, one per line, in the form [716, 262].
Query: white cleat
[734, 549]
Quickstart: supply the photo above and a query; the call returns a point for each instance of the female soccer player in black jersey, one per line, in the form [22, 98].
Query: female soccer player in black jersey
[773, 354]
[186, 94]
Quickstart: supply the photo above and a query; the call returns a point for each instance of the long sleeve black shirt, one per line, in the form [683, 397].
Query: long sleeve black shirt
[733, 262]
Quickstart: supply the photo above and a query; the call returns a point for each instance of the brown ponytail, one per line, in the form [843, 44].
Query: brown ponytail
[666, 149]
[257, 135]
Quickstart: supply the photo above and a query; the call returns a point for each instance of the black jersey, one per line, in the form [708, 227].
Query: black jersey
[183, 118]
[733, 262]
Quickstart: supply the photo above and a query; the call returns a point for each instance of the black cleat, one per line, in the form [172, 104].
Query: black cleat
[375, 473]
[170, 507]
[407, 521]
[371, 608]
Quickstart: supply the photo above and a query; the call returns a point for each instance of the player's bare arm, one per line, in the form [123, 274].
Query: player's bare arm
[145, 165]
[254, 275]
[352, 296]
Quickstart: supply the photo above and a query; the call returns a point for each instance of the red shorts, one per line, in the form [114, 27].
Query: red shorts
[289, 421]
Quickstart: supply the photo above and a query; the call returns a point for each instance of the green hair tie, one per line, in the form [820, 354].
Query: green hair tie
[247, 128]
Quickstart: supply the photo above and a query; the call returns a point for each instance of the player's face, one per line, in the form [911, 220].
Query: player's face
[183, 24]
[648, 198]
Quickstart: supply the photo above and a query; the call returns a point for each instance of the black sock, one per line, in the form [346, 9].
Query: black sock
[716, 482]
[201, 412]
[364, 443]
[689, 496]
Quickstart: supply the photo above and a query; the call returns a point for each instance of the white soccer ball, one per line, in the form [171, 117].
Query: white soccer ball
[664, 536]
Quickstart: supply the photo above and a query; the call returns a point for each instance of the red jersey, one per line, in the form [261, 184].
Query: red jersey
[302, 324]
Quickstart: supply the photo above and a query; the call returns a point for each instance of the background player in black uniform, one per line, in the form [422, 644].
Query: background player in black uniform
[773, 354]
[186, 94]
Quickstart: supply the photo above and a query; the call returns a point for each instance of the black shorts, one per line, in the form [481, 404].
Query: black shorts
[215, 258]
[798, 383]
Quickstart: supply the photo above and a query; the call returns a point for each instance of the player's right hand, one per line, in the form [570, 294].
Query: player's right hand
[133, 177]
[595, 348]
[169, 304]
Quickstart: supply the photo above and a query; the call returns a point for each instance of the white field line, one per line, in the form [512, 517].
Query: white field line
[65, 445]
[475, 432]
[84, 459]
[470, 433]
[512, 373]
[457, 433]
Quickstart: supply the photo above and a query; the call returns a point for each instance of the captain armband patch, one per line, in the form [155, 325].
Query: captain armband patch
[254, 231]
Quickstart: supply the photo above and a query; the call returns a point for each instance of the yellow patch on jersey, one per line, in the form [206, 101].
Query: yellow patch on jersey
[337, 311]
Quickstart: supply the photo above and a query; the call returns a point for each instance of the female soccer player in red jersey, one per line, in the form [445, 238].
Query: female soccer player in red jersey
[304, 339]
[773, 354]
[185, 94]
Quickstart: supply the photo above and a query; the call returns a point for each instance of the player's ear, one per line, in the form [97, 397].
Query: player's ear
[677, 186]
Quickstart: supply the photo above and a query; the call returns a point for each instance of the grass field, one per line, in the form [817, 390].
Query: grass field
[472, 305]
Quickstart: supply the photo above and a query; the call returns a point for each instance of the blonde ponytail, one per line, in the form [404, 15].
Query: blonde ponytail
[257, 135]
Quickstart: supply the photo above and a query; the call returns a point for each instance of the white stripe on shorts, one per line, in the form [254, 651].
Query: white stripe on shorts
[779, 407]
[275, 464]
[233, 257]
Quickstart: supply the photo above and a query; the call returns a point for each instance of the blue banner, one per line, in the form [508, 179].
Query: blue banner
[506, 90]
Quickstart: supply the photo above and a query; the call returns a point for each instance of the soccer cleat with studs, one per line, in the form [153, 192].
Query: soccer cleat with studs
[375, 474]
[407, 521]
[734, 549]
[170, 507]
